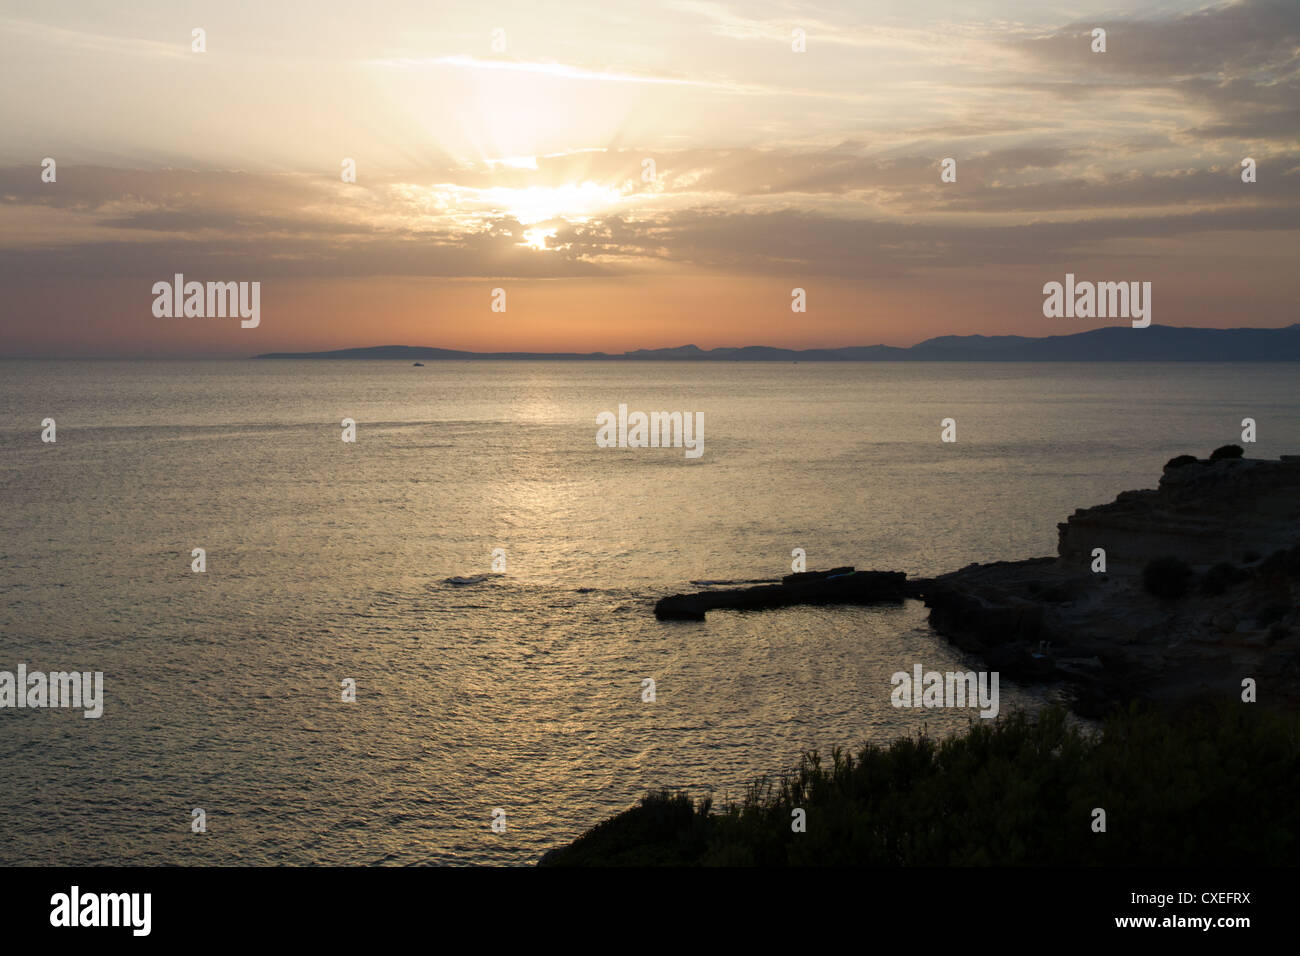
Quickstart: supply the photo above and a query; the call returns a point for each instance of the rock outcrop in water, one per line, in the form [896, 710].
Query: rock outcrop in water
[837, 586]
[1229, 527]
[1234, 524]
[1199, 592]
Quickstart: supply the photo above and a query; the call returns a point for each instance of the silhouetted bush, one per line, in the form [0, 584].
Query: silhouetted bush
[1226, 451]
[1167, 578]
[1180, 461]
[1272, 614]
[1015, 791]
[1285, 561]
[666, 829]
[1221, 577]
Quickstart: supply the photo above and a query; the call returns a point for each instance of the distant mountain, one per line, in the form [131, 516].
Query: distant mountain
[1158, 343]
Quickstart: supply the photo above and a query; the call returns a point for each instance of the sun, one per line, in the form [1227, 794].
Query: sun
[536, 238]
[533, 204]
[543, 211]
[547, 208]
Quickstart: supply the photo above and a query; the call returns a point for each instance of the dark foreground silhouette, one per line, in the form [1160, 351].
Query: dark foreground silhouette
[1209, 785]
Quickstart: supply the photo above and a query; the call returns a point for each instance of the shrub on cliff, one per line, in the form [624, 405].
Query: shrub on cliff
[1225, 452]
[1221, 577]
[1016, 791]
[1180, 461]
[665, 829]
[1167, 577]
[1285, 561]
[1271, 614]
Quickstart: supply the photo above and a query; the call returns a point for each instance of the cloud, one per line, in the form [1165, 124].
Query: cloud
[559, 70]
[1235, 60]
[814, 244]
[1225, 39]
[776, 235]
[31, 32]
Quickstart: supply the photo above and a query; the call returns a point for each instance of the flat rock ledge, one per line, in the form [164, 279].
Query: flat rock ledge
[836, 586]
[1234, 523]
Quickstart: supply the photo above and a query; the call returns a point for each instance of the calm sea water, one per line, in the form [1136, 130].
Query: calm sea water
[328, 561]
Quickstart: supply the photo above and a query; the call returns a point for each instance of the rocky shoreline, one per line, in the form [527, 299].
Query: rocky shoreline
[1171, 596]
[1164, 595]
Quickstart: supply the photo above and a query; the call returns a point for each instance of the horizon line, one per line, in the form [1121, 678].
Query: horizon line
[599, 355]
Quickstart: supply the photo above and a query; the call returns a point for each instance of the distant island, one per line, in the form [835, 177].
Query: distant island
[1158, 343]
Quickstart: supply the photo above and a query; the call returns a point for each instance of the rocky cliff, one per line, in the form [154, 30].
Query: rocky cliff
[1203, 511]
[1199, 592]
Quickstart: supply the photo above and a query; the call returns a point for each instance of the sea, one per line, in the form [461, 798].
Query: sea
[479, 575]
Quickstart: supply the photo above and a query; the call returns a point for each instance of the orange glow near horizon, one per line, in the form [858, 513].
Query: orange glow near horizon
[635, 181]
[613, 315]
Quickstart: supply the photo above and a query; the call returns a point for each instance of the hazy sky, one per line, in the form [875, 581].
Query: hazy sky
[481, 168]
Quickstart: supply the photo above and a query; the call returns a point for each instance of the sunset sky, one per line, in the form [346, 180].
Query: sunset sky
[479, 168]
